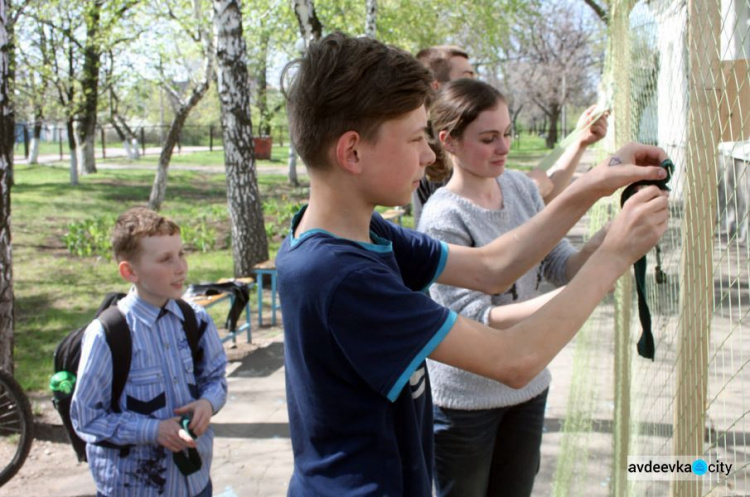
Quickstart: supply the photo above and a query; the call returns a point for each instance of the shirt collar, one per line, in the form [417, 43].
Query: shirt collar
[378, 244]
[145, 312]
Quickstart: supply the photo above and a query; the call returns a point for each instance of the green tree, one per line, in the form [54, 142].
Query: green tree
[79, 33]
[49, 70]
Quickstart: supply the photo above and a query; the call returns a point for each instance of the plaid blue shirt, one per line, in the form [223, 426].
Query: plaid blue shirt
[162, 378]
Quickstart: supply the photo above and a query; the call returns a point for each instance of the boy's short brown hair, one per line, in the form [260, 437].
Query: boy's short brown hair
[438, 60]
[135, 224]
[349, 84]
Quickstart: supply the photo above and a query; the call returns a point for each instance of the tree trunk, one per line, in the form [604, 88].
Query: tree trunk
[124, 132]
[515, 112]
[7, 136]
[129, 142]
[131, 137]
[65, 95]
[159, 188]
[249, 242]
[70, 126]
[309, 25]
[123, 138]
[264, 126]
[86, 129]
[554, 116]
[371, 18]
[36, 135]
[85, 153]
[293, 165]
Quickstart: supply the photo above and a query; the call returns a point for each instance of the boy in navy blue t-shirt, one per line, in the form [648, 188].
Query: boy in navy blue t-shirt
[357, 326]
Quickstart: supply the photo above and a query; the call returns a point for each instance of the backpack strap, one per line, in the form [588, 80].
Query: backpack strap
[117, 332]
[193, 332]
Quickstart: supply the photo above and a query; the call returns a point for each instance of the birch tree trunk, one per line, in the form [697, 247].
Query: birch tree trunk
[371, 18]
[309, 25]
[7, 136]
[86, 126]
[249, 242]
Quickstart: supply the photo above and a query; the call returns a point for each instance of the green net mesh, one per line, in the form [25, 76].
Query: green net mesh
[677, 76]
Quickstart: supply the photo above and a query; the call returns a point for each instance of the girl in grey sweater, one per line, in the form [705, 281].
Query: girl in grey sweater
[487, 434]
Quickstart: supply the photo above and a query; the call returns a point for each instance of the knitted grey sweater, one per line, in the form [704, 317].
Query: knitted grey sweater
[456, 220]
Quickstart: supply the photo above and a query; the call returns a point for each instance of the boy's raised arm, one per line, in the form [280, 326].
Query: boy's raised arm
[494, 267]
[517, 354]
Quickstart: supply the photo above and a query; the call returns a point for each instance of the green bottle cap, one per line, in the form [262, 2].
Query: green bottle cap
[62, 381]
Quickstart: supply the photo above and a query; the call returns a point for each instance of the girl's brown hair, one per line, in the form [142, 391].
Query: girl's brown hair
[456, 105]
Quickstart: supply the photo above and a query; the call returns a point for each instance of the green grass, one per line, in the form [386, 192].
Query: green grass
[44, 148]
[57, 292]
[526, 151]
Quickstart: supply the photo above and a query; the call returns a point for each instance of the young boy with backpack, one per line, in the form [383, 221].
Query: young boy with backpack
[357, 325]
[155, 439]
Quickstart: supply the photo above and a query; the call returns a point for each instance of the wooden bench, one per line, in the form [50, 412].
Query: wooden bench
[207, 301]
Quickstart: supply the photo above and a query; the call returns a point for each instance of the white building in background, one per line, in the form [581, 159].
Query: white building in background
[668, 113]
[672, 84]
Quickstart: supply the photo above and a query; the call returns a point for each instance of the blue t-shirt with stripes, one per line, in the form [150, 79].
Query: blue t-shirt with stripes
[357, 331]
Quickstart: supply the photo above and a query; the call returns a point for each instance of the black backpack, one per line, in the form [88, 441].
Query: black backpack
[117, 332]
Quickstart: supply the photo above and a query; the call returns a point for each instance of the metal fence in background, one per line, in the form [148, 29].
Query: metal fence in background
[53, 138]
